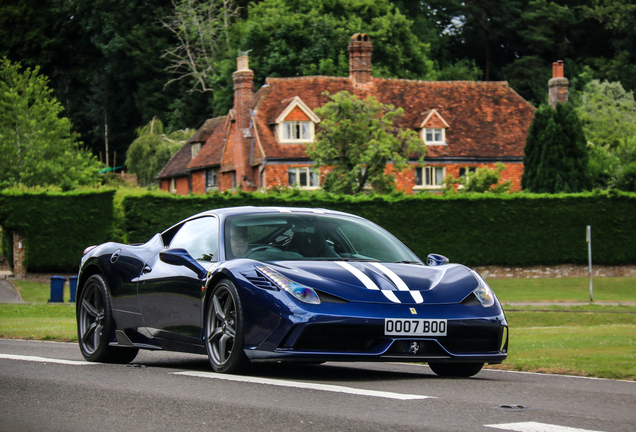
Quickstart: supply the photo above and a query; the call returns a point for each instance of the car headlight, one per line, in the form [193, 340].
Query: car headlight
[483, 292]
[298, 291]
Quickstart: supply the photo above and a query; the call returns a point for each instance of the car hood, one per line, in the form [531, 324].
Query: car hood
[382, 282]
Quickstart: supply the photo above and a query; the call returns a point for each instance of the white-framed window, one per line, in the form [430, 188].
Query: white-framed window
[211, 179]
[302, 177]
[196, 148]
[430, 177]
[434, 136]
[467, 170]
[296, 131]
[173, 185]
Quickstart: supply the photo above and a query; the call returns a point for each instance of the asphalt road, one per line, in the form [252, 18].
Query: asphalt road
[46, 386]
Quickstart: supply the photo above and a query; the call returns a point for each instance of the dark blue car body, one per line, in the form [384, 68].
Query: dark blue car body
[157, 297]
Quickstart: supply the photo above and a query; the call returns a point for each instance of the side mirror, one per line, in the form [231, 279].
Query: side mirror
[436, 260]
[181, 257]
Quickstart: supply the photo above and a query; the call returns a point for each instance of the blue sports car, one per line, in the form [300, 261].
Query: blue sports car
[251, 284]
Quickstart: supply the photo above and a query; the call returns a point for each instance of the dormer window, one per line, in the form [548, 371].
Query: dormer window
[296, 124]
[433, 129]
[196, 148]
[294, 131]
[434, 136]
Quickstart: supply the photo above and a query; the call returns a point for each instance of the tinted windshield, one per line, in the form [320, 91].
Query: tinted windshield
[284, 237]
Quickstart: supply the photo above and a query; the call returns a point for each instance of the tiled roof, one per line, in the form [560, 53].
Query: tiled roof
[178, 164]
[486, 119]
[212, 150]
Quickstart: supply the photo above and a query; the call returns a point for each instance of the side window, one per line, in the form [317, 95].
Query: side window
[200, 237]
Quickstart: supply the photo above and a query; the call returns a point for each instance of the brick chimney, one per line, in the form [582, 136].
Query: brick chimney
[558, 85]
[243, 97]
[360, 49]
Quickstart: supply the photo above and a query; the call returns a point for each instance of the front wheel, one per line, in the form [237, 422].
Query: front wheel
[95, 324]
[463, 370]
[224, 329]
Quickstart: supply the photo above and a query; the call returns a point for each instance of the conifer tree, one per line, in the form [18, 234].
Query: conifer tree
[556, 158]
[533, 148]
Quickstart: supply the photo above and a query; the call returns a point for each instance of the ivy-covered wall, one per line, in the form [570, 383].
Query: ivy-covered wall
[57, 226]
[479, 229]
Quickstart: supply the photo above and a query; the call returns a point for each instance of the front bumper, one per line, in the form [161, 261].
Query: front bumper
[355, 332]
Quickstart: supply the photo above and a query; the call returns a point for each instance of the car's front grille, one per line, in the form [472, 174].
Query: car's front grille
[464, 340]
[338, 338]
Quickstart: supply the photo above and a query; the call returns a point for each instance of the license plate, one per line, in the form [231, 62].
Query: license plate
[414, 327]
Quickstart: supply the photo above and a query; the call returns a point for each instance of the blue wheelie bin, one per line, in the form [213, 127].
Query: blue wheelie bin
[57, 289]
[72, 283]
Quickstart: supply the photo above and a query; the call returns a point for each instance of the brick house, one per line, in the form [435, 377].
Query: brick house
[261, 141]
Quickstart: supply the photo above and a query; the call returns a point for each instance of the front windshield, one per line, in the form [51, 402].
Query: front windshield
[287, 236]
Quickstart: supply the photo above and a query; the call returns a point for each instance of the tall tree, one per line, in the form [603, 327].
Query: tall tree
[38, 146]
[608, 115]
[357, 139]
[152, 149]
[295, 38]
[202, 28]
[563, 165]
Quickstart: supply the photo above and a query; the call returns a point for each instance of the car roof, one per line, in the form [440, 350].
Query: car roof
[245, 210]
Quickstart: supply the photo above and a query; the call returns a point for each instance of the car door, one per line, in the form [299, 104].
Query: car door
[170, 295]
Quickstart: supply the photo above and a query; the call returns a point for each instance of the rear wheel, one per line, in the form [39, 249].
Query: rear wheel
[95, 324]
[456, 369]
[224, 329]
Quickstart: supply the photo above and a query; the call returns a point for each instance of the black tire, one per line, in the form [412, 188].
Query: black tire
[224, 329]
[95, 325]
[462, 370]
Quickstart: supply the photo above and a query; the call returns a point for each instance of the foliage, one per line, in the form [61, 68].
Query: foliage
[608, 114]
[313, 36]
[38, 146]
[152, 149]
[203, 31]
[45, 219]
[482, 180]
[356, 139]
[555, 155]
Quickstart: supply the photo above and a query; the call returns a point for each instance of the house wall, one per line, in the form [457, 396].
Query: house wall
[276, 175]
[183, 187]
[198, 182]
[164, 185]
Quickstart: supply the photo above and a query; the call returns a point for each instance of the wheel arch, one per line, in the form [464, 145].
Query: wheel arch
[209, 288]
[88, 271]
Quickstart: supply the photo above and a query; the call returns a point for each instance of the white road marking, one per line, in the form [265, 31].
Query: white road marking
[44, 359]
[367, 282]
[536, 427]
[304, 385]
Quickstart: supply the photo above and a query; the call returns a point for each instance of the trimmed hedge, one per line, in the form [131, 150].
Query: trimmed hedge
[57, 226]
[474, 229]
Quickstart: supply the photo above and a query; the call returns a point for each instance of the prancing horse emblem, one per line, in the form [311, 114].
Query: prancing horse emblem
[415, 347]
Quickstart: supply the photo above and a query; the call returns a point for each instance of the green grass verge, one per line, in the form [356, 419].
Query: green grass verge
[587, 341]
[38, 321]
[591, 340]
[611, 289]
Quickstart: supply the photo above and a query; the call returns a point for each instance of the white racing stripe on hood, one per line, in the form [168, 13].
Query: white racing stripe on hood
[366, 281]
[399, 283]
